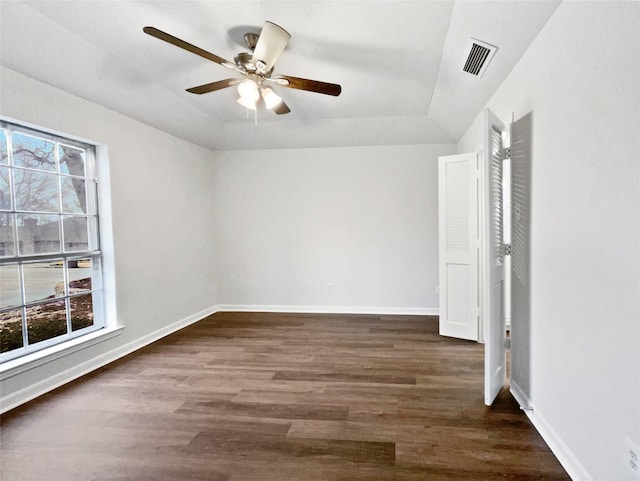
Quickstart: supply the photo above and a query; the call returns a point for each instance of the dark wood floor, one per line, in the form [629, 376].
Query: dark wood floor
[281, 397]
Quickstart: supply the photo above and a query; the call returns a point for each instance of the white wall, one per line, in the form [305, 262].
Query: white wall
[581, 79]
[364, 219]
[161, 209]
[195, 231]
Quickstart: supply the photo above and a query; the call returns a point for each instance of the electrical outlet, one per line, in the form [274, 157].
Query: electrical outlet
[632, 457]
[329, 288]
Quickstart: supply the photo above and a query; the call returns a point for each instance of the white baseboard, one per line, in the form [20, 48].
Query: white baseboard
[569, 462]
[382, 311]
[24, 395]
[559, 448]
[519, 395]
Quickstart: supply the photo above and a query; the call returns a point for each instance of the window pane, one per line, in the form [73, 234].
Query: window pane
[5, 193]
[79, 275]
[10, 330]
[74, 195]
[4, 158]
[33, 153]
[48, 206]
[38, 234]
[81, 311]
[46, 321]
[71, 160]
[43, 280]
[9, 286]
[76, 237]
[36, 191]
[7, 244]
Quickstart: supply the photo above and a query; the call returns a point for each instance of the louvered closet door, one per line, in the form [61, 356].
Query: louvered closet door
[520, 260]
[458, 268]
[493, 260]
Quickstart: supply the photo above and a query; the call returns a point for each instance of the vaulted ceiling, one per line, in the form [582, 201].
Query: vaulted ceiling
[399, 64]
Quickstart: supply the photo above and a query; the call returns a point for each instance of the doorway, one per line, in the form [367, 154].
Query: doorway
[506, 256]
[474, 256]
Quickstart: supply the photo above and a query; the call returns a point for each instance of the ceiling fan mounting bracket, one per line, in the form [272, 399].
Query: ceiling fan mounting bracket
[251, 39]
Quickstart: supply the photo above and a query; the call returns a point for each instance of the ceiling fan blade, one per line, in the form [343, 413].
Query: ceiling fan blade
[310, 85]
[213, 86]
[272, 41]
[282, 109]
[154, 32]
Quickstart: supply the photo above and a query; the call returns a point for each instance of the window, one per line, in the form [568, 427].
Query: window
[50, 258]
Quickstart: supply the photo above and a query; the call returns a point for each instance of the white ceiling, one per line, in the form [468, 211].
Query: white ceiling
[399, 64]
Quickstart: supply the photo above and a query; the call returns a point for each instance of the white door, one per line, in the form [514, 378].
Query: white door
[493, 257]
[458, 243]
[520, 381]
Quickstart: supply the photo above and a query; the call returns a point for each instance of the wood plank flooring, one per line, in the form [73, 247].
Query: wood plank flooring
[255, 396]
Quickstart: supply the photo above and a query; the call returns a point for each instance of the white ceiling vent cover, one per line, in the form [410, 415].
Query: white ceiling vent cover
[479, 54]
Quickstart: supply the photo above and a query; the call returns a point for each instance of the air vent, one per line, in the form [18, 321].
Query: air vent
[478, 57]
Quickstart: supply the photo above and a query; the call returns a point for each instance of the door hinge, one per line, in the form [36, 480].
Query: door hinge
[507, 343]
[507, 249]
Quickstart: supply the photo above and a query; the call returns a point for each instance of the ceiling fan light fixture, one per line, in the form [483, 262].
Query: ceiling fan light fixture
[271, 99]
[248, 90]
[247, 103]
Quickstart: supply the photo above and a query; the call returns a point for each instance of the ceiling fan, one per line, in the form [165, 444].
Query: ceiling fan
[256, 69]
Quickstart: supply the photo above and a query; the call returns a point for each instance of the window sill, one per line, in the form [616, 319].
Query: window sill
[31, 361]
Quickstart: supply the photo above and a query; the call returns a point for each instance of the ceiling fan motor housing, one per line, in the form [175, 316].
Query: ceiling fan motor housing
[244, 63]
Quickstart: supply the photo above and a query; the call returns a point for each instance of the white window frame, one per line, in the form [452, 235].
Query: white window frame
[103, 285]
